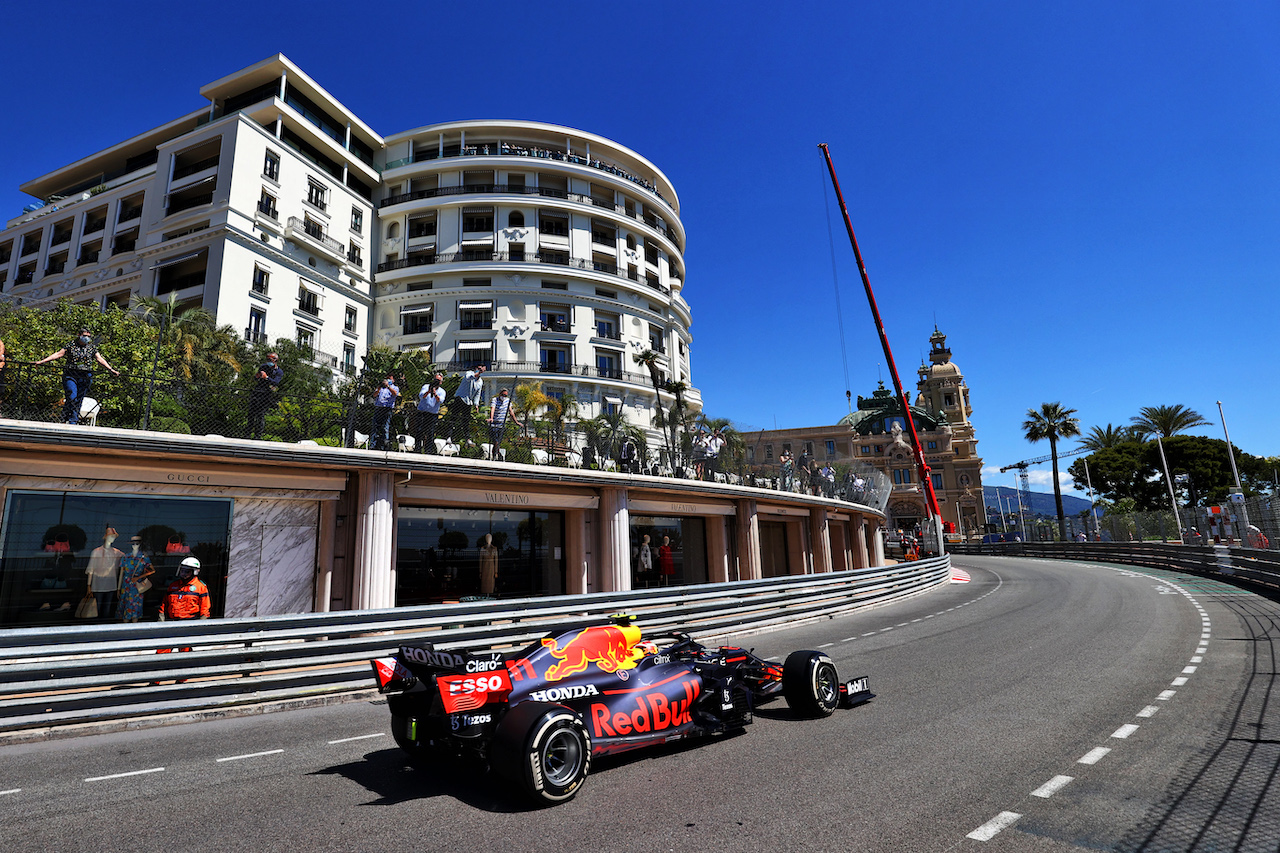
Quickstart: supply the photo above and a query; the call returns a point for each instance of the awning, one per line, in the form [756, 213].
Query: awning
[417, 309]
[617, 401]
[168, 262]
[311, 287]
[193, 184]
[475, 344]
[466, 306]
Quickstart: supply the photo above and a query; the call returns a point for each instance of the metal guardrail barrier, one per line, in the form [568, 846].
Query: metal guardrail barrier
[1258, 566]
[80, 674]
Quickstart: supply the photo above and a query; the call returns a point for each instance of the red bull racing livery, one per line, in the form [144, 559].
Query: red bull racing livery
[539, 716]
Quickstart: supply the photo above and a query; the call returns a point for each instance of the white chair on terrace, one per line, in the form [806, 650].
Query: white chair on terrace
[574, 458]
[444, 447]
[89, 409]
[610, 465]
[405, 443]
[540, 457]
[361, 440]
[309, 443]
[719, 477]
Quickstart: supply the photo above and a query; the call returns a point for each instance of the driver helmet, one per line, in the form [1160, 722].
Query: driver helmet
[189, 567]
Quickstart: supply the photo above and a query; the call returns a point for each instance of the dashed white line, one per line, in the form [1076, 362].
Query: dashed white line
[1178, 682]
[1124, 731]
[10, 791]
[1167, 695]
[1053, 786]
[1149, 711]
[123, 775]
[357, 737]
[251, 755]
[1094, 755]
[1187, 670]
[824, 645]
[1197, 659]
[991, 828]
[868, 634]
[848, 639]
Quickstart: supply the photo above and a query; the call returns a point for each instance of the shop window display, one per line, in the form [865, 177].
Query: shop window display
[468, 554]
[667, 551]
[58, 546]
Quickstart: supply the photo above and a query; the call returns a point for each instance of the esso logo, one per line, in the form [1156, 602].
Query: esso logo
[483, 684]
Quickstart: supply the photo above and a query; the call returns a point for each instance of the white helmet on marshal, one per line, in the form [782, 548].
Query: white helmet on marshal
[191, 565]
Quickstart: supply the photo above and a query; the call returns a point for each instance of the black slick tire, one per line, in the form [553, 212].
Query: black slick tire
[543, 749]
[811, 684]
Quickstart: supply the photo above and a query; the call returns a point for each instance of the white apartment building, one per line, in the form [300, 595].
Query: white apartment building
[541, 251]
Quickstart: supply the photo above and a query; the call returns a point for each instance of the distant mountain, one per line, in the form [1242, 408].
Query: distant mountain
[1041, 504]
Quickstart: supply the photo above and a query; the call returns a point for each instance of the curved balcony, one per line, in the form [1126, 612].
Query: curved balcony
[503, 149]
[569, 371]
[560, 259]
[545, 192]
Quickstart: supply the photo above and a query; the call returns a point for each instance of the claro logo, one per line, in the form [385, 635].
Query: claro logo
[653, 712]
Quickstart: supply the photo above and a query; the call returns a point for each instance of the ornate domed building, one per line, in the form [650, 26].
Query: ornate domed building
[874, 434]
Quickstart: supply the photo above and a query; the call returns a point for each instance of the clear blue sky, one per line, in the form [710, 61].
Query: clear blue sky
[1083, 196]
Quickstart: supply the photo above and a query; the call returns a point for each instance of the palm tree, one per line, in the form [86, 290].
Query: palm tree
[199, 345]
[1053, 422]
[1166, 421]
[1102, 438]
[732, 456]
[649, 359]
[606, 432]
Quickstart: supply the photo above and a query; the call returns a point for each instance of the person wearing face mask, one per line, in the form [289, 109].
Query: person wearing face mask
[135, 573]
[103, 573]
[77, 373]
[266, 385]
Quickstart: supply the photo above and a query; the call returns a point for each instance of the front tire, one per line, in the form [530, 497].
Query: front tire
[544, 749]
[811, 684]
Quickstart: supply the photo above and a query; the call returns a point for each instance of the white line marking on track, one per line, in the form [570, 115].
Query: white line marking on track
[848, 639]
[1197, 659]
[1167, 694]
[890, 628]
[10, 791]
[824, 645]
[868, 634]
[1149, 711]
[1187, 670]
[357, 737]
[1053, 786]
[1124, 731]
[252, 755]
[1178, 682]
[122, 775]
[1094, 755]
[991, 828]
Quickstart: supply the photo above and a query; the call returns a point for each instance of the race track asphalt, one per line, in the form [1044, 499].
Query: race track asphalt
[1042, 706]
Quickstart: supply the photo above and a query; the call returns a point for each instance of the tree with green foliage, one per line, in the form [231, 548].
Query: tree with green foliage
[1101, 438]
[1052, 421]
[1166, 421]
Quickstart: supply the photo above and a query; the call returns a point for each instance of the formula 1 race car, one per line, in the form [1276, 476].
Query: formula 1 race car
[539, 716]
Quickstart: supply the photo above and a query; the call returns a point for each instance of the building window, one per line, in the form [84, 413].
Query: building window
[606, 294]
[477, 219]
[554, 318]
[831, 449]
[931, 445]
[308, 302]
[902, 476]
[471, 353]
[260, 279]
[808, 447]
[354, 256]
[768, 452]
[475, 282]
[317, 195]
[555, 285]
[554, 359]
[937, 482]
[306, 339]
[349, 320]
[267, 205]
[879, 448]
[553, 226]
[348, 359]
[357, 220]
[607, 364]
[948, 400]
[866, 450]
[271, 166]
[416, 319]
[257, 331]
[475, 315]
[515, 219]
[751, 455]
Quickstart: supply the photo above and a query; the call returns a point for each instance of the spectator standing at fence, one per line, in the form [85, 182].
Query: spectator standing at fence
[429, 400]
[383, 405]
[715, 443]
[499, 412]
[266, 384]
[77, 373]
[466, 400]
[787, 468]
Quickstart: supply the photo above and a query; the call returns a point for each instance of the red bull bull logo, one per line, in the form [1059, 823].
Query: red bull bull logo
[609, 647]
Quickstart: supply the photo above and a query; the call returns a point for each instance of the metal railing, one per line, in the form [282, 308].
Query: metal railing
[554, 258]
[92, 673]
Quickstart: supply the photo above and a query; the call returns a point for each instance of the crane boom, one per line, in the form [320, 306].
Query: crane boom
[1040, 459]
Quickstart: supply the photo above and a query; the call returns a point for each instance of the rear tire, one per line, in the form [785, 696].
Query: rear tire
[811, 684]
[544, 749]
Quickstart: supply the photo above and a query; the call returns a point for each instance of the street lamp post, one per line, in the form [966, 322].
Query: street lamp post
[1238, 497]
[1173, 500]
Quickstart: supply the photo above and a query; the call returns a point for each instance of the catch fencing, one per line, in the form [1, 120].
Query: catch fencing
[52, 677]
[1251, 565]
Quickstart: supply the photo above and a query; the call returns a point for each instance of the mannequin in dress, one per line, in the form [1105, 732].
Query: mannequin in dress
[135, 568]
[644, 558]
[103, 573]
[666, 562]
[488, 565]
